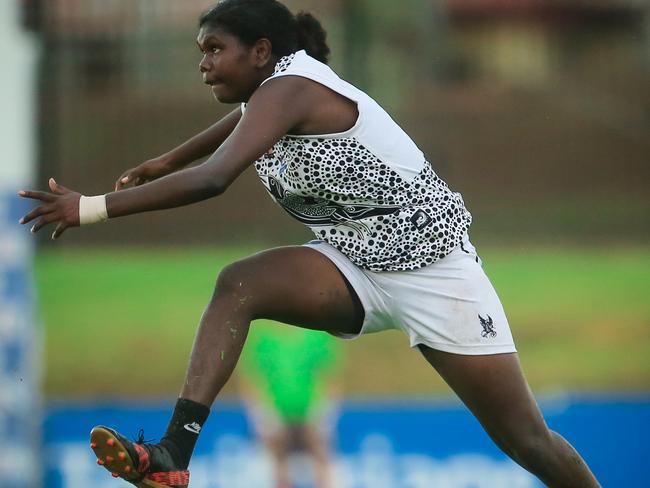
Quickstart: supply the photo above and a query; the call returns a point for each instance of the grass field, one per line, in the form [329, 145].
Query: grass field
[121, 323]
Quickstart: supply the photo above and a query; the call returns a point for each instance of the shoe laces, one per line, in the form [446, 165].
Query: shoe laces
[160, 457]
[141, 440]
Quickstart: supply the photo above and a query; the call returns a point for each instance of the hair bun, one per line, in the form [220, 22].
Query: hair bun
[312, 37]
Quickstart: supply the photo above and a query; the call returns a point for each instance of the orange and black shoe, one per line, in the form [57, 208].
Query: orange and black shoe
[143, 465]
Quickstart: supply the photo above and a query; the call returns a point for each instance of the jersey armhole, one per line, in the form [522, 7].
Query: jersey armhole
[343, 93]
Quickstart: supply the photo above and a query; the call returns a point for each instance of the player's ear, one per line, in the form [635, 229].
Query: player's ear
[262, 52]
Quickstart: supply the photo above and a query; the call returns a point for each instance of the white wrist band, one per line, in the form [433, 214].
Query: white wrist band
[92, 210]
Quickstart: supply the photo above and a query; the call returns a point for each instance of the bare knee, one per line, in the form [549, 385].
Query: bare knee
[235, 283]
[231, 279]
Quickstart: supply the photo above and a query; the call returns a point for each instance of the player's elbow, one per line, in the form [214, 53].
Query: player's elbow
[220, 180]
[211, 183]
[216, 186]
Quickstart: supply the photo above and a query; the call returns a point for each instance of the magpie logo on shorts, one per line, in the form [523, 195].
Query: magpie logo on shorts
[488, 327]
[420, 219]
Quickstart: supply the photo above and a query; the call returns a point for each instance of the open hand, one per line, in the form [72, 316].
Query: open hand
[147, 171]
[60, 206]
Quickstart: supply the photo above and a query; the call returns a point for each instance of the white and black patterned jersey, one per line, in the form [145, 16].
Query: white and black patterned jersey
[368, 191]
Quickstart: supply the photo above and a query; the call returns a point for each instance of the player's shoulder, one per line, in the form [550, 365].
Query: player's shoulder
[275, 88]
[288, 91]
[296, 83]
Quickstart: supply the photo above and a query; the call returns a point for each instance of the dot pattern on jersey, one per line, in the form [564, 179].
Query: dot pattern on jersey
[358, 204]
[283, 63]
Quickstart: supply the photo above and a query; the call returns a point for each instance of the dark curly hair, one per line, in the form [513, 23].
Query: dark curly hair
[251, 20]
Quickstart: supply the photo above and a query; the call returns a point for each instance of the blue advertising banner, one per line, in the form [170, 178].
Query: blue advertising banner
[19, 378]
[377, 444]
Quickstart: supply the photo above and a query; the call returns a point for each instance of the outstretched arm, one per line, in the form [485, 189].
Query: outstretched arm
[205, 142]
[195, 148]
[273, 110]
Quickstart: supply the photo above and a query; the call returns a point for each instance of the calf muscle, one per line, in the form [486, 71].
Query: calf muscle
[494, 388]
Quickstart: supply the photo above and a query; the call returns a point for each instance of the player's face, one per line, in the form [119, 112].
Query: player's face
[227, 65]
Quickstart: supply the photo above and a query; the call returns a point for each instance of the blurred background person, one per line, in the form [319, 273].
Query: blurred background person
[289, 382]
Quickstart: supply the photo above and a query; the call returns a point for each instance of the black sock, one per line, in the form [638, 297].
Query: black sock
[183, 430]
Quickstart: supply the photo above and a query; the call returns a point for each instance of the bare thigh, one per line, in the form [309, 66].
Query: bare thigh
[494, 388]
[296, 285]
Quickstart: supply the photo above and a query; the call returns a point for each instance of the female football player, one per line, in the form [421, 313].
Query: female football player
[391, 248]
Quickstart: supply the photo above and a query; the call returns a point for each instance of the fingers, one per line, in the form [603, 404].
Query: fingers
[48, 217]
[56, 188]
[37, 195]
[130, 177]
[60, 229]
[37, 212]
[123, 180]
[42, 222]
[44, 196]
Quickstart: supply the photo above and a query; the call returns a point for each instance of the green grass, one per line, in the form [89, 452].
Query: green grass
[121, 323]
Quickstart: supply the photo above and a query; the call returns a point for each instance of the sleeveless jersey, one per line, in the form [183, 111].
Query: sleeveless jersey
[368, 191]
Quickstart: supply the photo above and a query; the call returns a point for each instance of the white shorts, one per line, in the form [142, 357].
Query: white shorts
[449, 305]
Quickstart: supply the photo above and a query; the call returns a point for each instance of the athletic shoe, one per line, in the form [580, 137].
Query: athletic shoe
[143, 465]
